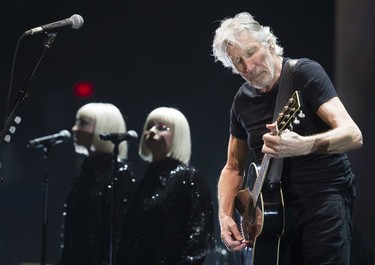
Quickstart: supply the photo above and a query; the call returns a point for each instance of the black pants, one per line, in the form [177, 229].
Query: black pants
[318, 230]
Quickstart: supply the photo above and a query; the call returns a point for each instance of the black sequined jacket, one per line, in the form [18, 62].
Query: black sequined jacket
[87, 212]
[170, 219]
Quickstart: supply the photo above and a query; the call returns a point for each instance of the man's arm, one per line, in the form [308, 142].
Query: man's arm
[344, 135]
[229, 184]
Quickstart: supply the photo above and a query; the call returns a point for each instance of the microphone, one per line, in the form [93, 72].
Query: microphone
[57, 138]
[119, 137]
[75, 21]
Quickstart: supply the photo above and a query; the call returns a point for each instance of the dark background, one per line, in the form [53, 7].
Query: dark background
[144, 54]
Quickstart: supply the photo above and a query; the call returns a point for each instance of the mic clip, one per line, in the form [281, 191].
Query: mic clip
[51, 36]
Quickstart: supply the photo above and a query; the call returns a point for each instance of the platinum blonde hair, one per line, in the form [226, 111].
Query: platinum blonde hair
[181, 138]
[231, 31]
[107, 118]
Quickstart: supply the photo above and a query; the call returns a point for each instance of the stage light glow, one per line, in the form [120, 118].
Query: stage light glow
[83, 89]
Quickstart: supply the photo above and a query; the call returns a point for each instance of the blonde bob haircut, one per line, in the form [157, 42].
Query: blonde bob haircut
[107, 118]
[181, 139]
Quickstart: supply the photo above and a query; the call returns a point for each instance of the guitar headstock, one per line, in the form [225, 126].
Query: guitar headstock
[288, 115]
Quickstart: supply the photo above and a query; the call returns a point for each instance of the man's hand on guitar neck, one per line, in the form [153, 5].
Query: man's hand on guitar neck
[230, 235]
[284, 144]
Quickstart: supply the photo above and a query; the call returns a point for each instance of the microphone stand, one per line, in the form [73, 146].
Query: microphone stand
[112, 198]
[46, 149]
[22, 94]
[116, 142]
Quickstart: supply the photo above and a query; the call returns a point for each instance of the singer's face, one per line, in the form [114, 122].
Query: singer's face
[83, 131]
[158, 136]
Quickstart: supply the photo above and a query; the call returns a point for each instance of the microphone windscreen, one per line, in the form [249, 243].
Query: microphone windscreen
[133, 134]
[66, 135]
[77, 21]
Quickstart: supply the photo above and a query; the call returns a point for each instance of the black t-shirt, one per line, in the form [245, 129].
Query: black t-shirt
[251, 111]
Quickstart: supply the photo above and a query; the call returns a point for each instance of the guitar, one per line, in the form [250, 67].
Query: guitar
[261, 210]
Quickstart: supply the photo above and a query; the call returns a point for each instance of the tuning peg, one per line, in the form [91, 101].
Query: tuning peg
[290, 127]
[12, 129]
[7, 138]
[301, 114]
[296, 121]
[17, 119]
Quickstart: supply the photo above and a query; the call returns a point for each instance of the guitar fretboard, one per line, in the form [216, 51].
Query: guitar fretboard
[260, 178]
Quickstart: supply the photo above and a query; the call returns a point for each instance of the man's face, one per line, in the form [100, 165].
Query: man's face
[253, 61]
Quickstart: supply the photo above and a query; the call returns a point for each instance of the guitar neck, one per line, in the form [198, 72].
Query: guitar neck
[283, 121]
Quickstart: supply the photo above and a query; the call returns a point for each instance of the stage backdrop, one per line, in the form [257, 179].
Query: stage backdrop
[140, 55]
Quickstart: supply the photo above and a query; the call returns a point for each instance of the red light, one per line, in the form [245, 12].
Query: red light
[83, 89]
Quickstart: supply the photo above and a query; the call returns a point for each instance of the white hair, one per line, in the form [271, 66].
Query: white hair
[231, 30]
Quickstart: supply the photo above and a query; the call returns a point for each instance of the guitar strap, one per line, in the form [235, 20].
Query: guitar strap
[285, 91]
